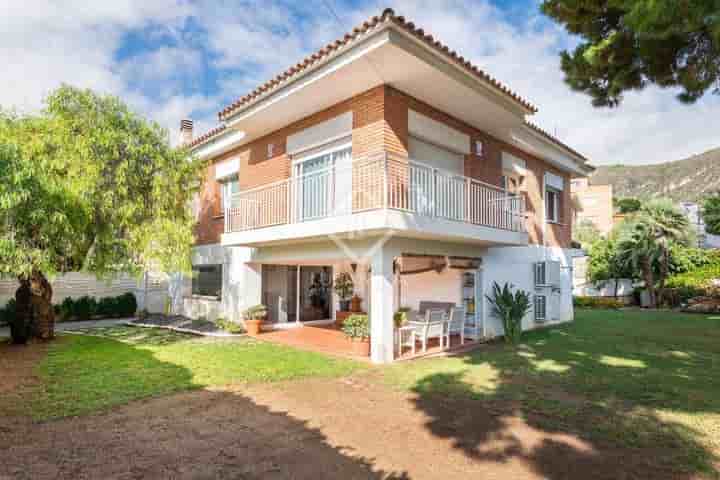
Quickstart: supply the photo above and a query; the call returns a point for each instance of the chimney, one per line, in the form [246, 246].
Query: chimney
[186, 131]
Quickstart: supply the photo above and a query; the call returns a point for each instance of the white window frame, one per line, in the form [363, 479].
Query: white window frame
[540, 274]
[226, 192]
[540, 308]
[552, 214]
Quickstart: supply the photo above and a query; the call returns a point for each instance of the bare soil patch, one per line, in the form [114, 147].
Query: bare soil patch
[343, 428]
[17, 376]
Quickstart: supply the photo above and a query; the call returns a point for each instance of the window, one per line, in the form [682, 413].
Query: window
[540, 308]
[540, 274]
[228, 189]
[207, 280]
[479, 148]
[552, 204]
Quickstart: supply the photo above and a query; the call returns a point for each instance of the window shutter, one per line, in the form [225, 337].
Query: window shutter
[540, 274]
[540, 308]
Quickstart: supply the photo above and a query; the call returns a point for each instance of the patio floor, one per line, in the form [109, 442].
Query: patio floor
[330, 340]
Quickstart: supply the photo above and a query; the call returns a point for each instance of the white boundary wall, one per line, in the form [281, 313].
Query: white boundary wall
[77, 284]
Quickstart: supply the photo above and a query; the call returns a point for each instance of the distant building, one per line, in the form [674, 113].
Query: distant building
[693, 212]
[594, 204]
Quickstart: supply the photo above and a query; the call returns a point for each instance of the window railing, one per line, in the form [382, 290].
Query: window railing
[372, 183]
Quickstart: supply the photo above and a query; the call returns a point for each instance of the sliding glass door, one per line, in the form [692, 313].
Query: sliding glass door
[297, 293]
[318, 177]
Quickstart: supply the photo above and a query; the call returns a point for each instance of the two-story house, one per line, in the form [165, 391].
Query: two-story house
[392, 158]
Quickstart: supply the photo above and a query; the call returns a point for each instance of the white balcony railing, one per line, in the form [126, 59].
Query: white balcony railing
[375, 183]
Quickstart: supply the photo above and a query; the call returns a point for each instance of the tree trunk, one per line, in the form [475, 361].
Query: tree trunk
[650, 282]
[42, 306]
[21, 324]
[616, 288]
[35, 316]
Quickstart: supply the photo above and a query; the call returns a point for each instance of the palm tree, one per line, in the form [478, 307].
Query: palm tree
[644, 243]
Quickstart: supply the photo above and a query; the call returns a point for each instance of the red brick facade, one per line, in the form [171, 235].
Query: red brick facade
[380, 123]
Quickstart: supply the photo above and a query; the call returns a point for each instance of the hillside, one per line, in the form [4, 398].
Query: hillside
[690, 179]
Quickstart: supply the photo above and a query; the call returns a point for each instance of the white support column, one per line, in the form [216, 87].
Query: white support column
[381, 307]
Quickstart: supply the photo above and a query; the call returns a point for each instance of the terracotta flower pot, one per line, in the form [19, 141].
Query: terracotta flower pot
[361, 347]
[355, 303]
[253, 326]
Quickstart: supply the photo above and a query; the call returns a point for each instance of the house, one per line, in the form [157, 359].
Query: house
[387, 156]
[594, 204]
[693, 212]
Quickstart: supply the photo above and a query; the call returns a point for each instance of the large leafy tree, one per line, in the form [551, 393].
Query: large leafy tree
[711, 214]
[88, 185]
[606, 265]
[646, 242]
[627, 44]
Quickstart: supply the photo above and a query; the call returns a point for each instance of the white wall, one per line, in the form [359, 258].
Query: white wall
[431, 286]
[241, 284]
[77, 284]
[515, 266]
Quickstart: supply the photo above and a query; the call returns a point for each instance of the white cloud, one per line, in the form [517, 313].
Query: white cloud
[46, 43]
[43, 43]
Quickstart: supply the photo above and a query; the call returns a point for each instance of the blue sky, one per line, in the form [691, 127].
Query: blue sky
[171, 59]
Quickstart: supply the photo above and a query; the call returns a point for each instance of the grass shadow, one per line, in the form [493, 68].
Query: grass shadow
[202, 434]
[602, 398]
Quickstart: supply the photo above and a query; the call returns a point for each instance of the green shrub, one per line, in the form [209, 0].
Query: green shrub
[510, 308]
[229, 326]
[257, 312]
[126, 305]
[107, 307]
[84, 308]
[67, 308]
[7, 314]
[401, 317]
[597, 302]
[357, 326]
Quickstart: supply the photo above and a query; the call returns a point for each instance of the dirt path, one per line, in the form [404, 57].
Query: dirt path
[335, 429]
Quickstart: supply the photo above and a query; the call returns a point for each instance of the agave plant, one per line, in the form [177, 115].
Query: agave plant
[510, 307]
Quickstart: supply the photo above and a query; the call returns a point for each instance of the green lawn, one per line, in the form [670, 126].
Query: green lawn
[644, 380]
[83, 374]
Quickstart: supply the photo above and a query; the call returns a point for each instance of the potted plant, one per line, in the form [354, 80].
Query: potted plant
[357, 328]
[344, 288]
[510, 308]
[356, 304]
[254, 317]
[401, 316]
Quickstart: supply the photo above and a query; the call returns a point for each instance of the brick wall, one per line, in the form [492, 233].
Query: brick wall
[380, 123]
[258, 167]
[488, 168]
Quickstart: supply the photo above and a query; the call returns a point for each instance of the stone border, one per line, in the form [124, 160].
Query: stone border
[188, 330]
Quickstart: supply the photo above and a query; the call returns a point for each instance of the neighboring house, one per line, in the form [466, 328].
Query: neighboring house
[594, 204]
[693, 212]
[388, 156]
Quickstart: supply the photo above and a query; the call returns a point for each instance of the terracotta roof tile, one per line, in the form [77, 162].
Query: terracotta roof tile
[207, 136]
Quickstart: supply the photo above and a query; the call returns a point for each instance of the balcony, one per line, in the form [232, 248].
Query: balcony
[416, 197]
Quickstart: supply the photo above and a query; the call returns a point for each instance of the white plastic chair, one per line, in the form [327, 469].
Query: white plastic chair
[456, 325]
[434, 327]
[406, 337]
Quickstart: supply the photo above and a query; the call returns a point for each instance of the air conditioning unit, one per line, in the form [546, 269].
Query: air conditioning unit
[540, 308]
[547, 274]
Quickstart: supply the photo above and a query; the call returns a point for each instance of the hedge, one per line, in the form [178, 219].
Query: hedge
[597, 302]
[83, 308]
